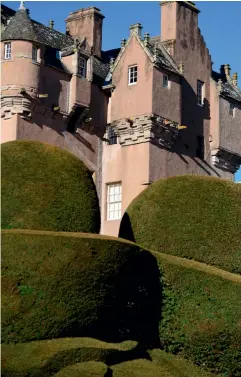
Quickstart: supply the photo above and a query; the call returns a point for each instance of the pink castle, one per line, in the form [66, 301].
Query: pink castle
[149, 109]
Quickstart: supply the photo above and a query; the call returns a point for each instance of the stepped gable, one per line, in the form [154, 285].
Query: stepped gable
[227, 89]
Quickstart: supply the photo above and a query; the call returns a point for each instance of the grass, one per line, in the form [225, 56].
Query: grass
[192, 217]
[46, 188]
[59, 286]
[87, 357]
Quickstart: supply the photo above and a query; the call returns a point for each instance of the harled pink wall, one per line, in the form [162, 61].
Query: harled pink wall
[230, 127]
[166, 101]
[132, 100]
[214, 115]
[9, 129]
[128, 165]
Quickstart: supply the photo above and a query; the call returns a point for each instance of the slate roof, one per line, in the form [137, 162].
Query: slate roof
[21, 27]
[228, 90]
[164, 60]
[6, 13]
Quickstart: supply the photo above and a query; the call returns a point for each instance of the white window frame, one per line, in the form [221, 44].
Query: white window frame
[165, 81]
[7, 50]
[34, 54]
[231, 109]
[82, 66]
[114, 201]
[200, 93]
[132, 74]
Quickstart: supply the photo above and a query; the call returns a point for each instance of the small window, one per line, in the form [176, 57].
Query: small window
[200, 93]
[165, 82]
[114, 199]
[200, 147]
[34, 54]
[111, 135]
[7, 51]
[132, 75]
[231, 110]
[58, 54]
[82, 67]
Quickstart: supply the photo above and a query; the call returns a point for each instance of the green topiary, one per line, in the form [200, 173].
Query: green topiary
[44, 187]
[193, 217]
[68, 284]
[85, 357]
[201, 315]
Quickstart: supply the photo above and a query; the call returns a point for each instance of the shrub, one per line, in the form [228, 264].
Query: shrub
[65, 284]
[44, 187]
[193, 217]
[201, 317]
[86, 357]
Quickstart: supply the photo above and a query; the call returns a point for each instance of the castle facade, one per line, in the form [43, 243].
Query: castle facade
[151, 108]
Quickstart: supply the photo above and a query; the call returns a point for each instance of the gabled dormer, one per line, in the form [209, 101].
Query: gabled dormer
[142, 80]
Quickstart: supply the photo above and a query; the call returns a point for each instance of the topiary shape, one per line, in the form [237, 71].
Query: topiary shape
[45, 187]
[191, 216]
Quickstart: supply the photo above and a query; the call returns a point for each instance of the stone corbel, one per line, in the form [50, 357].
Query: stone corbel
[225, 160]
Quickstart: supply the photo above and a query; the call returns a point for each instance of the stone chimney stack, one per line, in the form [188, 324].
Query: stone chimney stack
[136, 29]
[172, 18]
[87, 22]
[225, 71]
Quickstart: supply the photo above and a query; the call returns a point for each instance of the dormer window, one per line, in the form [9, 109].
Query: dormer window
[132, 75]
[82, 66]
[7, 51]
[34, 54]
[165, 81]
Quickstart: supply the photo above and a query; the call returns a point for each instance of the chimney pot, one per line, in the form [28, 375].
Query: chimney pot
[51, 24]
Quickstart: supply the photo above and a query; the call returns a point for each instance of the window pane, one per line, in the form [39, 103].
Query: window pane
[114, 201]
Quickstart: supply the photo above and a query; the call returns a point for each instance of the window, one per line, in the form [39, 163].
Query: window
[111, 135]
[58, 54]
[7, 51]
[165, 81]
[231, 109]
[34, 54]
[114, 201]
[200, 147]
[82, 66]
[132, 75]
[200, 93]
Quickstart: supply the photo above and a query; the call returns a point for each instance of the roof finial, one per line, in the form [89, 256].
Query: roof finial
[22, 5]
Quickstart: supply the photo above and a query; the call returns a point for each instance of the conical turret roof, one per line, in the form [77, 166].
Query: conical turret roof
[20, 27]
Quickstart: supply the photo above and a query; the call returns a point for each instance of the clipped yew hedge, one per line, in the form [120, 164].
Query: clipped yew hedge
[190, 216]
[66, 284]
[45, 187]
[85, 357]
[201, 316]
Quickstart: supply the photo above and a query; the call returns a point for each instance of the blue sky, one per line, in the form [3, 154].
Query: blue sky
[219, 22]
